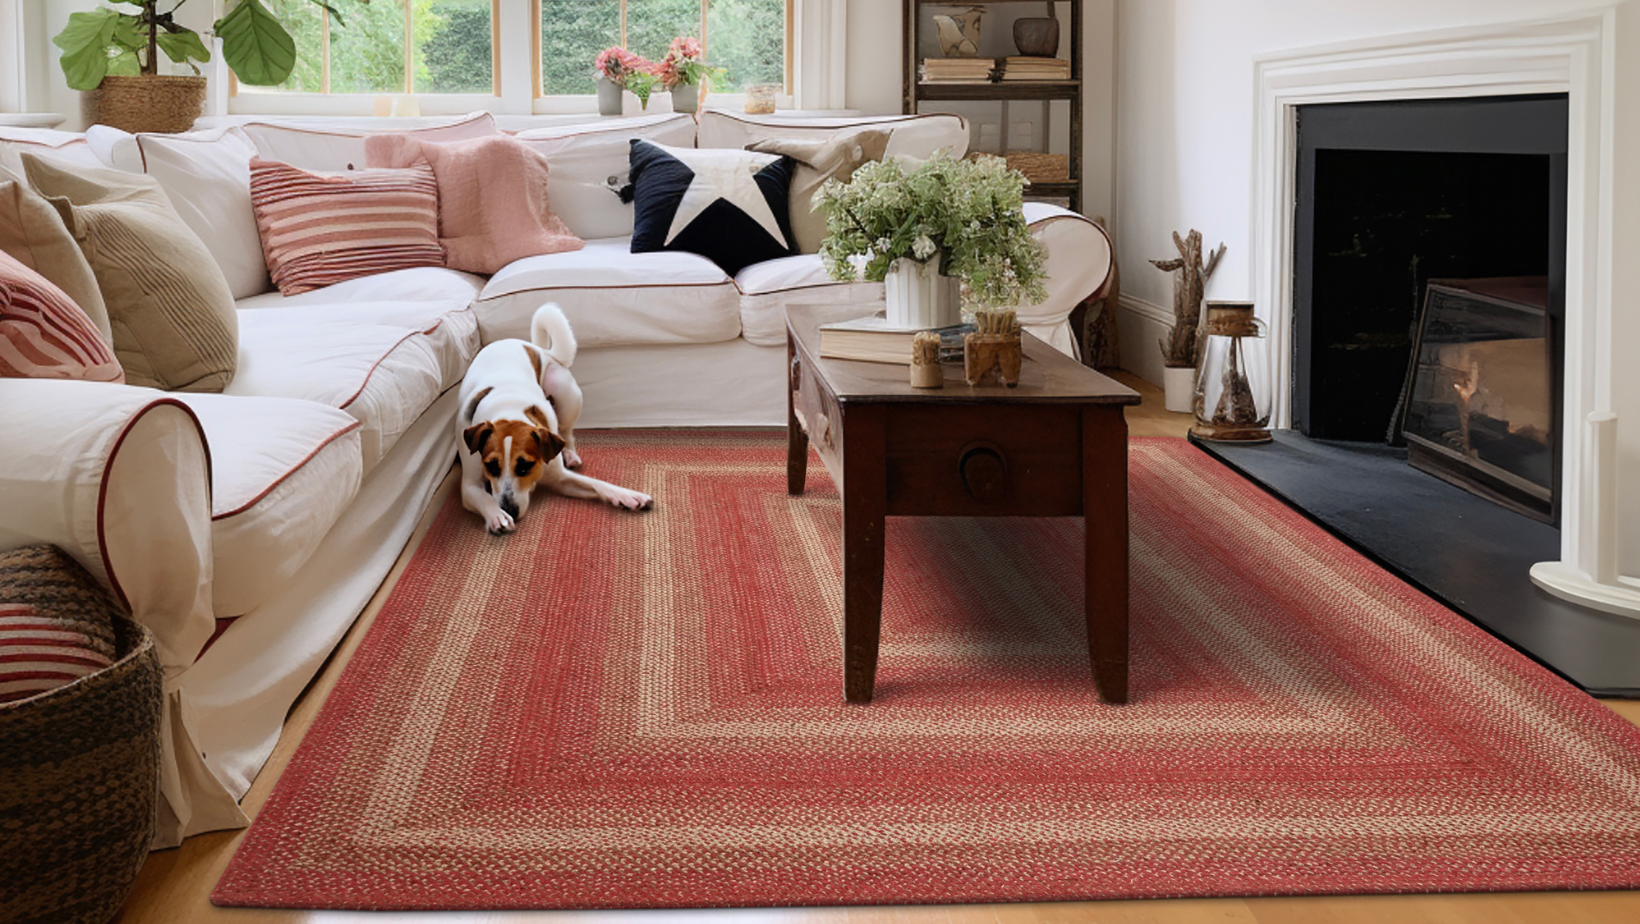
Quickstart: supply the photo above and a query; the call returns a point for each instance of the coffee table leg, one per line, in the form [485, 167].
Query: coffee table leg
[797, 442]
[1105, 511]
[864, 504]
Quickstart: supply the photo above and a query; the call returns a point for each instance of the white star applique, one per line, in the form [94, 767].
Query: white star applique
[728, 175]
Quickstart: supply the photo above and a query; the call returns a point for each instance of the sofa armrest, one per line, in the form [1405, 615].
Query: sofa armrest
[119, 478]
[1079, 266]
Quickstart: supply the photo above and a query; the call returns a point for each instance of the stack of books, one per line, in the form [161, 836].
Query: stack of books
[958, 70]
[1018, 68]
[872, 340]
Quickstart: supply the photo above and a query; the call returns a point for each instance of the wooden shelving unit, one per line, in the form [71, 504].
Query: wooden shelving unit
[915, 92]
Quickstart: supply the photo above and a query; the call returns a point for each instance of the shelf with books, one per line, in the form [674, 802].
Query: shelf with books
[991, 80]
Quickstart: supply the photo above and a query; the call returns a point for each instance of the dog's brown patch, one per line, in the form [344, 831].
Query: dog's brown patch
[535, 360]
[472, 406]
[538, 416]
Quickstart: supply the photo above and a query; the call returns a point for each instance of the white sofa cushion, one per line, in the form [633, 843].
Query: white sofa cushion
[917, 136]
[62, 147]
[767, 289]
[207, 177]
[382, 348]
[282, 472]
[1079, 265]
[614, 297]
[588, 164]
[336, 145]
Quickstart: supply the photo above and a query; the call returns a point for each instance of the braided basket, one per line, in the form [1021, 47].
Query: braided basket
[1039, 167]
[154, 103]
[79, 765]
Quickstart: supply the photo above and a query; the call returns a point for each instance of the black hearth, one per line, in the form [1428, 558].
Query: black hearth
[1429, 293]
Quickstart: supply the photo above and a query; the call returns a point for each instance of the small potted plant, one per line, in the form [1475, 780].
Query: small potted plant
[947, 233]
[684, 72]
[113, 56]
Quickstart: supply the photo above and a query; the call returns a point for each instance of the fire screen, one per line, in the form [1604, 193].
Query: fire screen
[1480, 409]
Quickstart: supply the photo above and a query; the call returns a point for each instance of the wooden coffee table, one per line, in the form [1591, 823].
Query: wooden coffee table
[1055, 446]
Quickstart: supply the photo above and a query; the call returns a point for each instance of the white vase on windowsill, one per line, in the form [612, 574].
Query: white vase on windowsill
[609, 97]
[686, 97]
[920, 296]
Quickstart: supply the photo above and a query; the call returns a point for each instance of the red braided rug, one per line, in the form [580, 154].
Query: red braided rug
[619, 710]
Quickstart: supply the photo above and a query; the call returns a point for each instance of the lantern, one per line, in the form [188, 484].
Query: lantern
[1234, 392]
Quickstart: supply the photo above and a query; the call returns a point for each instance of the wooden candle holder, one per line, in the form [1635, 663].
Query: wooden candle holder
[925, 361]
[993, 353]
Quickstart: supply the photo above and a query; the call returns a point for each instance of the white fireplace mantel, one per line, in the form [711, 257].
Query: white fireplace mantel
[1572, 55]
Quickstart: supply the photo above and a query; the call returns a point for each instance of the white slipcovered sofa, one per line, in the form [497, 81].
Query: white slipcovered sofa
[249, 529]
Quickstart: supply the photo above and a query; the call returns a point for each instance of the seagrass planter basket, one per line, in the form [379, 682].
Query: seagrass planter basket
[79, 765]
[151, 103]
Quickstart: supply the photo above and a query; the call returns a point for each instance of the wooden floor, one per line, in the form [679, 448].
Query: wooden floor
[175, 885]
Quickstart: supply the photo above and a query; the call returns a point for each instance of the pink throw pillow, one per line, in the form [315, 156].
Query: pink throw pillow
[44, 335]
[492, 197]
[319, 229]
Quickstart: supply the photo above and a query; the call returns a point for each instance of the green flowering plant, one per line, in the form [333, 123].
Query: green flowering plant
[968, 213]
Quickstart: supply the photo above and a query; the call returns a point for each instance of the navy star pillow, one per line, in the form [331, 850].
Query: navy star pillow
[727, 205]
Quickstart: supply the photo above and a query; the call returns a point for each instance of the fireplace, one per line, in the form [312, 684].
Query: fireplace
[1429, 251]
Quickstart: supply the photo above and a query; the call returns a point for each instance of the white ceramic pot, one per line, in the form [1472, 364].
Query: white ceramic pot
[609, 97]
[1179, 389]
[685, 98]
[920, 297]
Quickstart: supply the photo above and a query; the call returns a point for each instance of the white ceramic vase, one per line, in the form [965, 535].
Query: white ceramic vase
[1179, 389]
[686, 98]
[920, 297]
[609, 97]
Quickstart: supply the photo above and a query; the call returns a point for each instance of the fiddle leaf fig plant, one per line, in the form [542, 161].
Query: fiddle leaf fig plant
[127, 43]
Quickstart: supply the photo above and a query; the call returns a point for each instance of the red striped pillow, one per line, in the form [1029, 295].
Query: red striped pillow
[39, 654]
[44, 335]
[323, 228]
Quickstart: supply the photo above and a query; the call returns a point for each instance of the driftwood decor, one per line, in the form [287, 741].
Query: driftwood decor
[1182, 346]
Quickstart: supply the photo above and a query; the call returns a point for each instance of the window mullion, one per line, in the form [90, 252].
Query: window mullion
[409, 49]
[324, 52]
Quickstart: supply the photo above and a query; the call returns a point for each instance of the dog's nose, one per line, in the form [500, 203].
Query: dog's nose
[509, 507]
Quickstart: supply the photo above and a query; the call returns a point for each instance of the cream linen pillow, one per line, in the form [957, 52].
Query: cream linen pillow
[207, 177]
[819, 160]
[33, 234]
[169, 307]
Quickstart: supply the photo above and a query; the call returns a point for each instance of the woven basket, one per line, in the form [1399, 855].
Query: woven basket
[1039, 167]
[79, 765]
[145, 104]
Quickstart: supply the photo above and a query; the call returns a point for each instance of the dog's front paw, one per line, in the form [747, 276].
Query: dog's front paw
[630, 500]
[572, 459]
[499, 524]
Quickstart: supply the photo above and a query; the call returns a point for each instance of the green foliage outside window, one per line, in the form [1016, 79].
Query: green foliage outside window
[453, 42]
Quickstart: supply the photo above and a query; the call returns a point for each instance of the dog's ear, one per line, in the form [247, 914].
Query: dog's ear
[538, 417]
[549, 443]
[477, 435]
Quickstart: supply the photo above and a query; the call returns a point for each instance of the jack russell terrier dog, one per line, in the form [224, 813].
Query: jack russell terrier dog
[516, 426]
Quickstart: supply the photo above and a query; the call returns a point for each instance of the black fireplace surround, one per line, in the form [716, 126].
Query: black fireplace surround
[1391, 196]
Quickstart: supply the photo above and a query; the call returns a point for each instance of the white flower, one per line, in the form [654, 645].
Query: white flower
[923, 247]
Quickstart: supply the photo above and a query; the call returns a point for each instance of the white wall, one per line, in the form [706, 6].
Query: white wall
[1184, 147]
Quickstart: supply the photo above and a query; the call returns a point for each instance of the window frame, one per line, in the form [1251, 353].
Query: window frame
[559, 103]
[503, 58]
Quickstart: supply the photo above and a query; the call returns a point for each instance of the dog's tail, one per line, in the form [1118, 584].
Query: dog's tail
[550, 331]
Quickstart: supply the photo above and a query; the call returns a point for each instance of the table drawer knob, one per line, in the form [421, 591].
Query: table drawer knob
[984, 473]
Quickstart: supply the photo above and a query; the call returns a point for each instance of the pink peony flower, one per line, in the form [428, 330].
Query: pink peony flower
[684, 47]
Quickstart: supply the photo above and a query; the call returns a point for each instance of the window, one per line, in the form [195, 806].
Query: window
[749, 37]
[451, 48]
